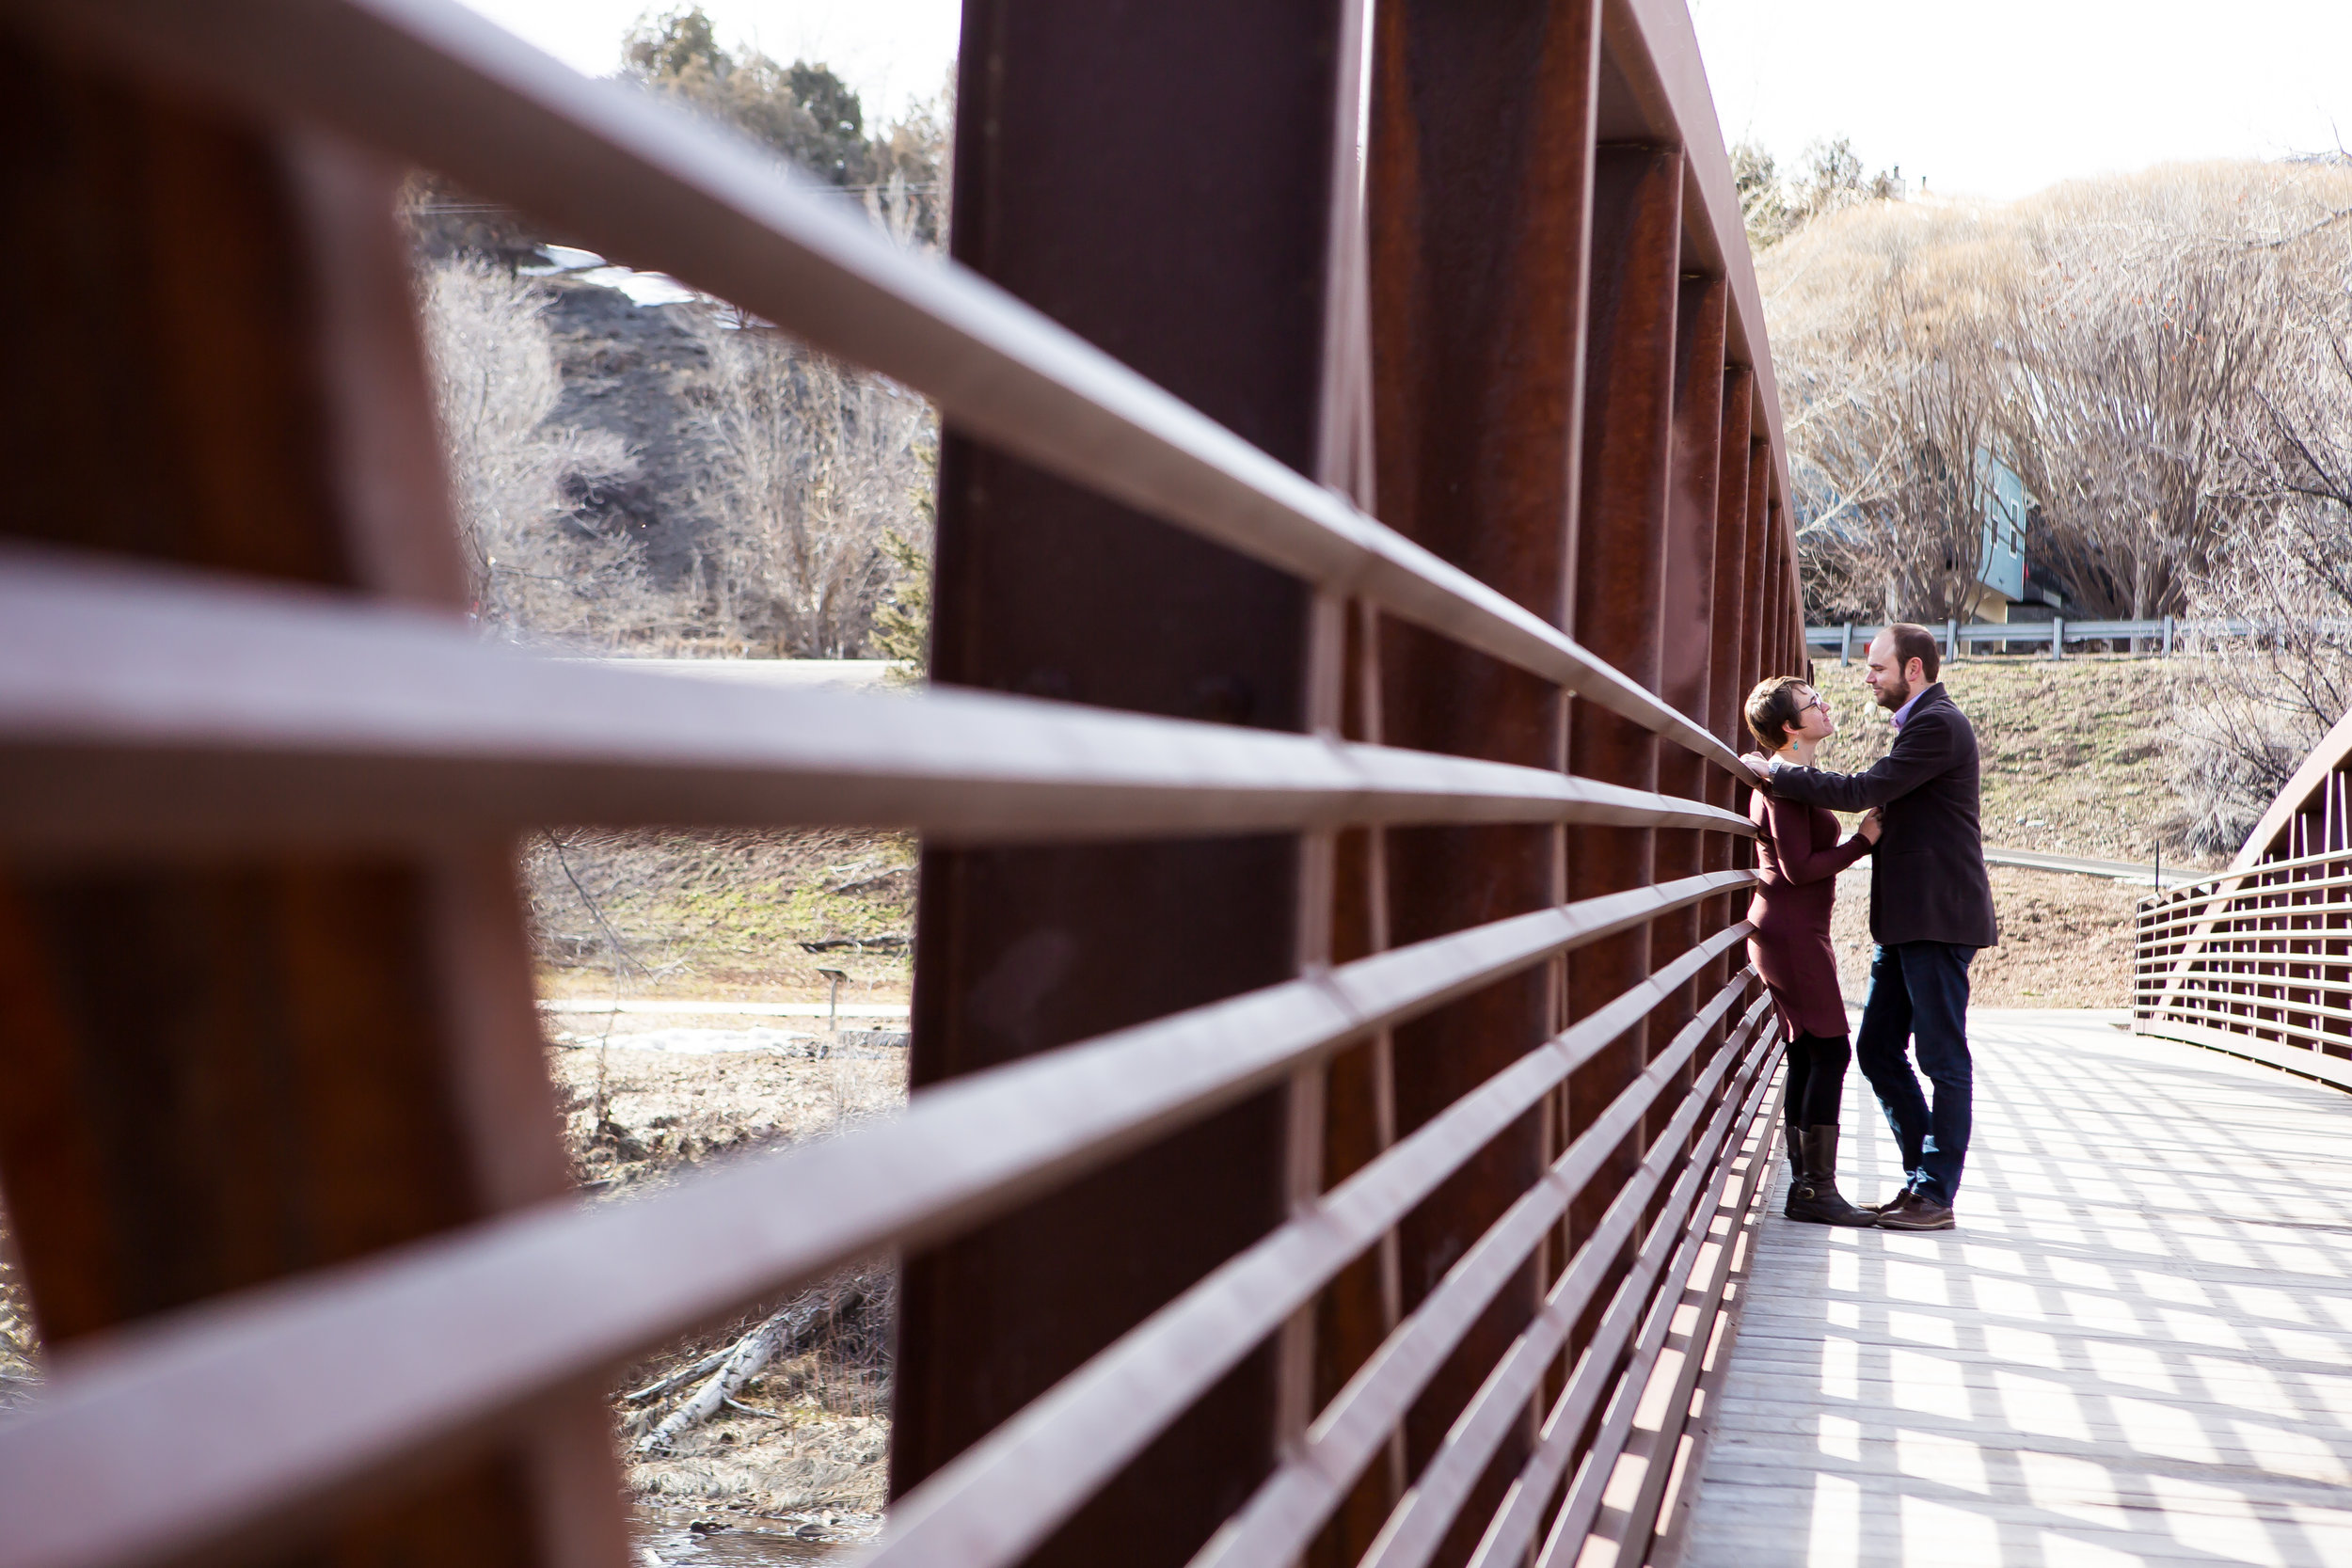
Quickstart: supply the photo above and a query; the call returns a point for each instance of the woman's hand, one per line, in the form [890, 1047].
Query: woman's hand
[1871, 825]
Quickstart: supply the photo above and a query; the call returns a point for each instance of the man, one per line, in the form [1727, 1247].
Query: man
[1931, 910]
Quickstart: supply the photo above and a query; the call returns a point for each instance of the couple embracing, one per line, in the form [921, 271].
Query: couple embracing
[1931, 910]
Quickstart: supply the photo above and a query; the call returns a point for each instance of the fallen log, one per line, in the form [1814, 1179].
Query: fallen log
[661, 1385]
[784, 1332]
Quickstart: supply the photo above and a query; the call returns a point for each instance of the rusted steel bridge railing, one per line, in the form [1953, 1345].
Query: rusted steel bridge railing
[2257, 961]
[1336, 1077]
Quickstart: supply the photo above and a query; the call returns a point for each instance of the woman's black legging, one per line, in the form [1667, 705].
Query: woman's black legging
[1817, 1080]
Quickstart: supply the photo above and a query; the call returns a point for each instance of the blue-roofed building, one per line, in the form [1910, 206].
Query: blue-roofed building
[2001, 566]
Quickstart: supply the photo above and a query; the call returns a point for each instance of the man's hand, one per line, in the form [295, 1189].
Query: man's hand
[1760, 765]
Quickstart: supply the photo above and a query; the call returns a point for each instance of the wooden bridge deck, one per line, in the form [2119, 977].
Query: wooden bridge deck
[2137, 1347]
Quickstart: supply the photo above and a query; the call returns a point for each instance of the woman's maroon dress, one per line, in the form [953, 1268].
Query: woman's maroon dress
[1798, 858]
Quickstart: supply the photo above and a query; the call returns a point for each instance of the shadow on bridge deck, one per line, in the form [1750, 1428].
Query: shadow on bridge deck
[2137, 1347]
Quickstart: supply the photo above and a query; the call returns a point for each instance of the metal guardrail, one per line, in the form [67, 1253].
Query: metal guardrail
[1376, 1178]
[2056, 633]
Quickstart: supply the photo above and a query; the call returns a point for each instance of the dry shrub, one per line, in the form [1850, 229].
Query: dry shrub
[1886, 335]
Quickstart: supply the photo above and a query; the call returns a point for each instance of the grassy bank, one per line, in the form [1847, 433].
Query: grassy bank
[2074, 762]
[722, 915]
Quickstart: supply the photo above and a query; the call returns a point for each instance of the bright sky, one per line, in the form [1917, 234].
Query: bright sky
[2000, 98]
[891, 51]
[1989, 98]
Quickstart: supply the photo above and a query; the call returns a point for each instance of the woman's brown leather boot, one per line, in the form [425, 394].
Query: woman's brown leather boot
[1813, 1194]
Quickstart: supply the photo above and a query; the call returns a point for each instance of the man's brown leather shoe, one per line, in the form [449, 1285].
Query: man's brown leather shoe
[1913, 1212]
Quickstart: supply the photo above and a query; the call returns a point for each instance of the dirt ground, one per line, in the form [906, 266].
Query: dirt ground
[2065, 940]
[805, 1452]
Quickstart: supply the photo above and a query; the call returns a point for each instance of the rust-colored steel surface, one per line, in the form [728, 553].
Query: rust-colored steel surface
[2254, 961]
[1071, 128]
[1339, 1078]
[1477, 212]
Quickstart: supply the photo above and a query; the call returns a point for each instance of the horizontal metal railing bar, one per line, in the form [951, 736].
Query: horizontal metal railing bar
[1007, 1493]
[2155, 974]
[2275, 905]
[2243, 1008]
[1694, 1313]
[2240, 967]
[223, 1418]
[152, 710]
[1290, 1506]
[2237, 920]
[2249, 875]
[2263, 880]
[2335, 1071]
[2278, 902]
[2241, 916]
[1647, 1300]
[2271, 923]
[621, 171]
[1612, 1357]
[1420, 1522]
[2262, 971]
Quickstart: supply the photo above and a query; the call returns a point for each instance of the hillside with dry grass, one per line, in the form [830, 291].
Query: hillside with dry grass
[2077, 759]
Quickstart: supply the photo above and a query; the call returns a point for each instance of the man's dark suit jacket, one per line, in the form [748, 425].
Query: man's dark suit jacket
[1928, 881]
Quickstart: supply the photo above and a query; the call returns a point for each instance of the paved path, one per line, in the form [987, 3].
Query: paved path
[2083, 865]
[2136, 1349]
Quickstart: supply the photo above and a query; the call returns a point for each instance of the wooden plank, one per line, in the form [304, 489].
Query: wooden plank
[2136, 1347]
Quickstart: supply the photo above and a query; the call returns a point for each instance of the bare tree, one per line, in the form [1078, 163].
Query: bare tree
[2106, 339]
[818, 465]
[2152, 315]
[2253, 707]
[1887, 326]
[538, 570]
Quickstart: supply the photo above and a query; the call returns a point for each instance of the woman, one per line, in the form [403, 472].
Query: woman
[1797, 861]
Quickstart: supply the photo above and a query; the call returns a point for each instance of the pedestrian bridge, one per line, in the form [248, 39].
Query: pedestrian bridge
[2135, 1349]
[1343, 1119]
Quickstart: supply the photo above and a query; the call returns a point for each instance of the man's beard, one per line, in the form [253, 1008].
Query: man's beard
[1892, 700]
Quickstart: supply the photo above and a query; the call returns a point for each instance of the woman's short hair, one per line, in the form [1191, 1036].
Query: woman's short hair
[1774, 707]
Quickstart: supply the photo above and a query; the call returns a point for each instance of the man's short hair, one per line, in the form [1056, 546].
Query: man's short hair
[1916, 642]
[1772, 708]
